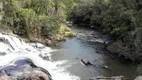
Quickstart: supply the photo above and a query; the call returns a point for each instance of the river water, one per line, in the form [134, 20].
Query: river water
[75, 49]
[63, 60]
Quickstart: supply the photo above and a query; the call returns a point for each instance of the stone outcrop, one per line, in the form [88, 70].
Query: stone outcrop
[24, 69]
[115, 47]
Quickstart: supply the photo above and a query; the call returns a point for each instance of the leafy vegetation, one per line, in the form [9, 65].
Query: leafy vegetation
[119, 18]
[35, 18]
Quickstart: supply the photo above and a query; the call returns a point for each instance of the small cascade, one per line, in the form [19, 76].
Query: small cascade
[14, 48]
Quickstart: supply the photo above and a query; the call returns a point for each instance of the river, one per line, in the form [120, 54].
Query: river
[63, 60]
[75, 49]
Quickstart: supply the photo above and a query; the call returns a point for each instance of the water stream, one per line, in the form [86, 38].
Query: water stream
[80, 47]
[13, 48]
[63, 61]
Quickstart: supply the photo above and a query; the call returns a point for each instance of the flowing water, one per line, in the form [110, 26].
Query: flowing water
[91, 48]
[13, 48]
[63, 61]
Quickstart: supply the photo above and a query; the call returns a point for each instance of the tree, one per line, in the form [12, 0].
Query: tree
[121, 19]
[35, 18]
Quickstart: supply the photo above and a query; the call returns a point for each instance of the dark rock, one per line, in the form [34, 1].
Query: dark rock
[107, 78]
[97, 51]
[115, 47]
[105, 67]
[45, 71]
[25, 61]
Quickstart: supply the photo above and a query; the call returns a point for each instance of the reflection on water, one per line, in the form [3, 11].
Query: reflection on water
[75, 49]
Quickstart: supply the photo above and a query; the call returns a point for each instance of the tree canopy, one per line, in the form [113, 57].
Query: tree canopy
[35, 18]
[120, 18]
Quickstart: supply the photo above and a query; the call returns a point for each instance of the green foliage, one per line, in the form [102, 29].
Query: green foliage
[49, 26]
[35, 18]
[62, 7]
[119, 18]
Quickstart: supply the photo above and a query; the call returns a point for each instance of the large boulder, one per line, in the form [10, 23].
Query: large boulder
[115, 47]
[24, 69]
[107, 78]
[139, 78]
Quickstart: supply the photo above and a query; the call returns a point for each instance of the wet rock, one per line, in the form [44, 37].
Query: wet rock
[34, 75]
[115, 47]
[138, 78]
[105, 67]
[85, 61]
[97, 51]
[107, 78]
[24, 69]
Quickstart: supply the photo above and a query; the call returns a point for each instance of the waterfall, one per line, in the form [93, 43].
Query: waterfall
[13, 48]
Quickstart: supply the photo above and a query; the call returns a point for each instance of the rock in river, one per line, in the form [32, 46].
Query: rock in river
[24, 69]
[115, 47]
[85, 61]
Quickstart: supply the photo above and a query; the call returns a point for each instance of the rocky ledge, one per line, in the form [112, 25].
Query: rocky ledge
[24, 69]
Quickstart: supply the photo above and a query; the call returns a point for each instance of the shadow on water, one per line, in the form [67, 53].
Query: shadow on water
[73, 50]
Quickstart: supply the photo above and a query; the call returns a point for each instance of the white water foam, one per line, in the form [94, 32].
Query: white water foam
[15, 49]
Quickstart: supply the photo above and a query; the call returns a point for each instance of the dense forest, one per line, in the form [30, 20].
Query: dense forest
[119, 18]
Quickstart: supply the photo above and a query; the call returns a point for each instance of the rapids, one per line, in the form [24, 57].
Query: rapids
[13, 48]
